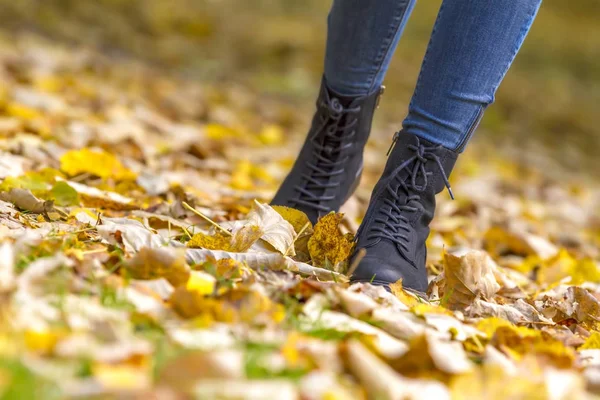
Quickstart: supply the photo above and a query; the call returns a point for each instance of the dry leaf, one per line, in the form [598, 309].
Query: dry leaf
[155, 263]
[383, 381]
[328, 244]
[184, 372]
[428, 354]
[467, 277]
[276, 231]
[26, 201]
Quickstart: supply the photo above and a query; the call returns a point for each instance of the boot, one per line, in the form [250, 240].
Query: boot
[396, 224]
[330, 164]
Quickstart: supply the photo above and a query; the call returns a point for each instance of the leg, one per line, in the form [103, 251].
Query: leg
[362, 35]
[361, 38]
[471, 48]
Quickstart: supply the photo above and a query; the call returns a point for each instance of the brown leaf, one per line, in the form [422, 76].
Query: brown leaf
[26, 201]
[467, 277]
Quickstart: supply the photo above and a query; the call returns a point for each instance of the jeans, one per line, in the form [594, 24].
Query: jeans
[472, 45]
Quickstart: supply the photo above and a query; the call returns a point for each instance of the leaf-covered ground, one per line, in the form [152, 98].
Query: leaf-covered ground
[139, 258]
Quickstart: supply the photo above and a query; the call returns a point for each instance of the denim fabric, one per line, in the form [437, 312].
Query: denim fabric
[472, 45]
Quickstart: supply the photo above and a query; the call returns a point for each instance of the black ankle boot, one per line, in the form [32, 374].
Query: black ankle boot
[329, 166]
[396, 224]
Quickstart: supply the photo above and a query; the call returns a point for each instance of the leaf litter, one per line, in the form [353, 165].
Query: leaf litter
[139, 256]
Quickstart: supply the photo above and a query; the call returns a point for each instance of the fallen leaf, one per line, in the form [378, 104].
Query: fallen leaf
[592, 342]
[64, 195]
[25, 200]
[154, 263]
[328, 244]
[428, 354]
[383, 381]
[467, 277]
[201, 282]
[95, 162]
[184, 372]
[276, 231]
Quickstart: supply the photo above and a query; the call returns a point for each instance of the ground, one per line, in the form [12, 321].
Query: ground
[140, 259]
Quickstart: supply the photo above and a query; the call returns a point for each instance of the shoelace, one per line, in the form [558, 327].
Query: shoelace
[328, 150]
[393, 224]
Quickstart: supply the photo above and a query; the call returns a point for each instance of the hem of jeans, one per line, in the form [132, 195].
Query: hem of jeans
[431, 138]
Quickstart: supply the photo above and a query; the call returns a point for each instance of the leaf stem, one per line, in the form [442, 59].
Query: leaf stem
[306, 225]
[204, 217]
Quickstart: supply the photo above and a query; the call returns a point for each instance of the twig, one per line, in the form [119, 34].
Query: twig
[306, 225]
[359, 256]
[204, 217]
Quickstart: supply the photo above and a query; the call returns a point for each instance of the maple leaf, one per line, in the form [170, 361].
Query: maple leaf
[328, 244]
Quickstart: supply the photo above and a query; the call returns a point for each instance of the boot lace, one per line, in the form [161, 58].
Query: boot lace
[393, 223]
[332, 138]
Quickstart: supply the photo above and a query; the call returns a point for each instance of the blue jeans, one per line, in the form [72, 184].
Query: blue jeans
[471, 48]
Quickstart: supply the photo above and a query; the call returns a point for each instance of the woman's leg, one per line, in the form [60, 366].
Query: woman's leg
[362, 35]
[472, 46]
[361, 38]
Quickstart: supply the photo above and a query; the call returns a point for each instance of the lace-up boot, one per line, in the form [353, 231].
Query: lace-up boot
[329, 166]
[396, 224]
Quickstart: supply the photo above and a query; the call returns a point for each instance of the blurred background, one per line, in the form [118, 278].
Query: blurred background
[549, 100]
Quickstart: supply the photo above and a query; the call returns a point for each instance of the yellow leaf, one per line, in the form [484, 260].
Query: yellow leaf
[271, 135]
[402, 295]
[154, 263]
[121, 377]
[490, 383]
[290, 349]
[557, 268]
[519, 341]
[328, 244]
[491, 324]
[592, 342]
[48, 83]
[296, 218]
[190, 303]
[216, 131]
[22, 112]
[421, 309]
[260, 173]
[241, 178]
[42, 341]
[201, 282]
[218, 241]
[95, 162]
[586, 270]
[245, 237]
